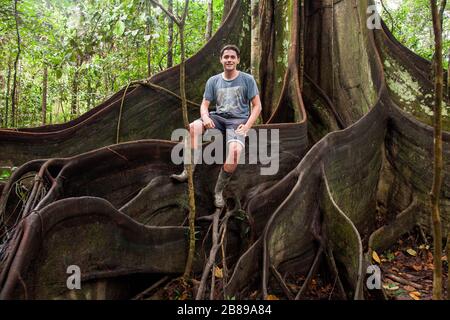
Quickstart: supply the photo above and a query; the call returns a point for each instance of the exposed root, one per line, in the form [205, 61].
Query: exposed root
[218, 232]
[283, 285]
[153, 287]
[385, 236]
[311, 273]
[333, 268]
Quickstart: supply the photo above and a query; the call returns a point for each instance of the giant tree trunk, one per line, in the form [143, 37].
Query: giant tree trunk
[354, 169]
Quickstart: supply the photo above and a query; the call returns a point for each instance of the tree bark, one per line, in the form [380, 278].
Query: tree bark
[8, 86]
[74, 99]
[149, 44]
[302, 42]
[226, 8]
[209, 20]
[437, 165]
[14, 102]
[448, 259]
[255, 59]
[44, 94]
[170, 35]
[90, 93]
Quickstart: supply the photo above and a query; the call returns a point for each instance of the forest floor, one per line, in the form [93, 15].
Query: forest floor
[407, 268]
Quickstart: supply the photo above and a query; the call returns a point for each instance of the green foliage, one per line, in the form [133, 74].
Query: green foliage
[5, 173]
[412, 25]
[103, 45]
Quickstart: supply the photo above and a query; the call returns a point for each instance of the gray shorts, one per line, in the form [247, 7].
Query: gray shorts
[228, 126]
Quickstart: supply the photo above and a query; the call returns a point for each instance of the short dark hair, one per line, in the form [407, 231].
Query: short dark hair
[230, 47]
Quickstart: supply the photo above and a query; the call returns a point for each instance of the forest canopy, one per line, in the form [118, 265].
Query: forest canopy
[87, 50]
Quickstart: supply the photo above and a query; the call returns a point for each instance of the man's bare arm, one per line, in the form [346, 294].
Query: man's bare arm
[204, 114]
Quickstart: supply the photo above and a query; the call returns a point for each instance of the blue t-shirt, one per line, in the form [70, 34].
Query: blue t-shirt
[231, 97]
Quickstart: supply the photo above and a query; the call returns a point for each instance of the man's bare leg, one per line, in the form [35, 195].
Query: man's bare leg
[234, 152]
[195, 131]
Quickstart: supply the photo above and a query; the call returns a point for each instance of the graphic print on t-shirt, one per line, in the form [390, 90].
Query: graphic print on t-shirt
[229, 99]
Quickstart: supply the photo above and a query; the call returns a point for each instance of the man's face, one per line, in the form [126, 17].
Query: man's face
[229, 60]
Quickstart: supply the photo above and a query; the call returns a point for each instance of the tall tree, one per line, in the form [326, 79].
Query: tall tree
[209, 19]
[170, 35]
[14, 100]
[75, 86]
[437, 165]
[181, 23]
[226, 8]
[8, 86]
[149, 38]
[256, 40]
[44, 92]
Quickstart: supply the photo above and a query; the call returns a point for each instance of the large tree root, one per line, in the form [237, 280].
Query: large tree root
[219, 229]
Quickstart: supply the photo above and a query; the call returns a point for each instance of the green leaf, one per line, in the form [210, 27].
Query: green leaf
[58, 74]
[147, 37]
[119, 28]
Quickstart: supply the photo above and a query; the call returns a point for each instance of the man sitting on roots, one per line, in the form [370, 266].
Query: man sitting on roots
[232, 91]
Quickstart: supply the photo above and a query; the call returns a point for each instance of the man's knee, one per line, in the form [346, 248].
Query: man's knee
[196, 126]
[234, 150]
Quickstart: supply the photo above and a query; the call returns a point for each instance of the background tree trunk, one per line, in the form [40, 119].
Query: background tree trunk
[44, 94]
[256, 41]
[170, 35]
[74, 99]
[8, 86]
[209, 20]
[226, 8]
[14, 100]
[149, 43]
[90, 93]
[437, 165]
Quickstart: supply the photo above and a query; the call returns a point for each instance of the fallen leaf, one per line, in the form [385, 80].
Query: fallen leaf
[409, 288]
[272, 297]
[412, 252]
[444, 258]
[424, 247]
[417, 267]
[218, 273]
[293, 286]
[414, 296]
[395, 269]
[375, 257]
[183, 296]
[391, 287]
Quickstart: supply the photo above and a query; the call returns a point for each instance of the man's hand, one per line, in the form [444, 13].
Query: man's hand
[207, 122]
[242, 130]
